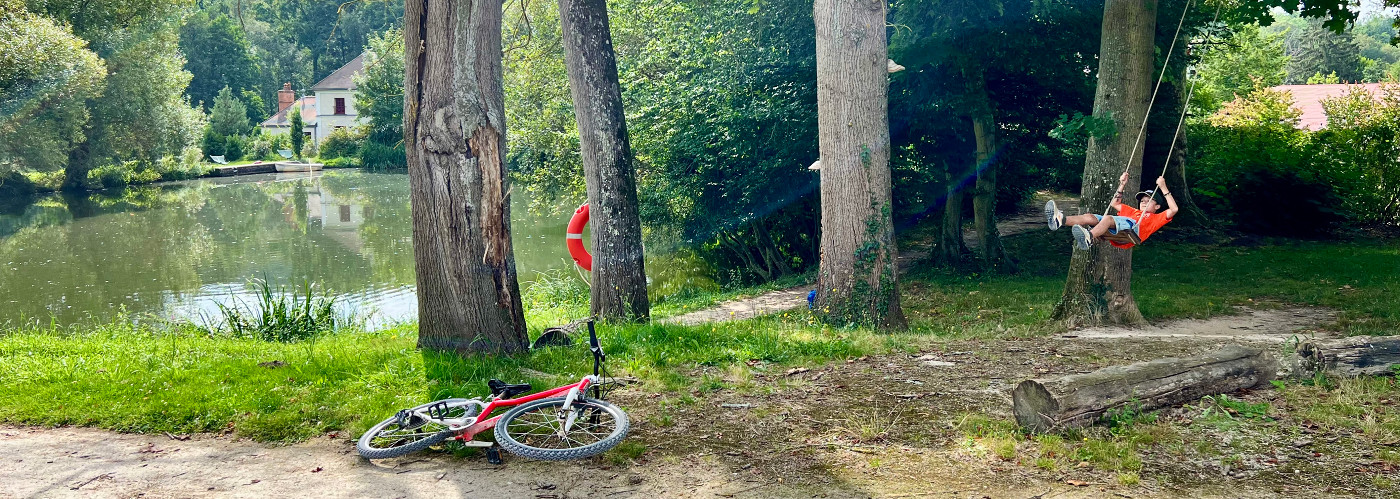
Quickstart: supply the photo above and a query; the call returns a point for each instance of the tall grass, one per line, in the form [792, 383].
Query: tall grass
[279, 315]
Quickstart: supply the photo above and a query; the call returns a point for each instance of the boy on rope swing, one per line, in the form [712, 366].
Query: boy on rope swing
[1134, 224]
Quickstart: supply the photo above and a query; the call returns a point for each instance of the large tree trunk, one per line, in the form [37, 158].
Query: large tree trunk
[984, 195]
[1081, 399]
[619, 278]
[454, 130]
[1098, 289]
[857, 278]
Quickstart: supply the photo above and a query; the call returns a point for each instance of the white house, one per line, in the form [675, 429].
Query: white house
[335, 99]
[331, 106]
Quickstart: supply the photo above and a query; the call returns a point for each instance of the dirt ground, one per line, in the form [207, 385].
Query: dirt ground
[886, 426]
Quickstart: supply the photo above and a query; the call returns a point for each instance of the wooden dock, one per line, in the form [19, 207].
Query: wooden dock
[249, 169]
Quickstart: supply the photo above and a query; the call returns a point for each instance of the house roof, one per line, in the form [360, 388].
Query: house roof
[1308, 99]
[308, 113]
[342, 79]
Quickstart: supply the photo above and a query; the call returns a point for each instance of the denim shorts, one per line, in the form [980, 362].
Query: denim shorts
[1120, 223]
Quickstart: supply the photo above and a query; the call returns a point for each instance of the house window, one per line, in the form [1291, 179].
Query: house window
[339, 105]
[345, 213]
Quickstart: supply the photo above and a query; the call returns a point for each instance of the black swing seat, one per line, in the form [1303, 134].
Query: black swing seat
[1124, 237]
[506, 390]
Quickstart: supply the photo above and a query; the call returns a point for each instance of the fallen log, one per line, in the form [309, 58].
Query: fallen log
[1347, 357]
[1043, 405]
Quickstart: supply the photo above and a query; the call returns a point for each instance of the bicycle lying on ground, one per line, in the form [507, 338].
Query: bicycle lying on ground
[553, 425]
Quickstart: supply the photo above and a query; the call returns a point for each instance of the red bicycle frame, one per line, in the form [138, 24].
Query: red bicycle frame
[470, 432]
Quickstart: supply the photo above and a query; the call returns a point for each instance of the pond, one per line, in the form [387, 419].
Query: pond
[175, 251]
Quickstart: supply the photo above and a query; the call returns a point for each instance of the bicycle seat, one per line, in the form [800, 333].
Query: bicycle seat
[506, 390]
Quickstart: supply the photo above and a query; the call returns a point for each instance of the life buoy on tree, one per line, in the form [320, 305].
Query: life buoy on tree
[573, 239]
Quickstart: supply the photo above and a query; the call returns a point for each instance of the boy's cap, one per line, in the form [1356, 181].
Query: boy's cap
[1148, 193]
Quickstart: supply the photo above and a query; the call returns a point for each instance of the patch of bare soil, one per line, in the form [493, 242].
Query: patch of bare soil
[1249, 325]
[892, 426]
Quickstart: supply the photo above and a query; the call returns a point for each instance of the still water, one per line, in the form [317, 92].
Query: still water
[175, 251]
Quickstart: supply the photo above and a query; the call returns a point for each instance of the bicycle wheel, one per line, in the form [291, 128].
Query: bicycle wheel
[536, 429]
[411, 430]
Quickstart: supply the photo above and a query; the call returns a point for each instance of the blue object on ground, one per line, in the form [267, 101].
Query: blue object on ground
[811, 299]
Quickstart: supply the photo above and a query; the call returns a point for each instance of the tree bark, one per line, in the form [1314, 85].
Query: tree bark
[857, 275]
[984, 194]
[1081, 399]
[1098, 289]
[1346, 357]
[951, 249]
[454, 129]
[619, 276]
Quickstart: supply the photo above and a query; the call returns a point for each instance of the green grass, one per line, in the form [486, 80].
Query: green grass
[1361, 279]
[180, 379]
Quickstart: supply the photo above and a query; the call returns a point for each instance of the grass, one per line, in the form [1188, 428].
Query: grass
[152, 378]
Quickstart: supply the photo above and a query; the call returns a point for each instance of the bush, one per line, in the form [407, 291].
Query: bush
[186, 166]
[280, 315]
[259, 146]
[341, 143]
[233, 148]
[14, 185]
[1253, 167]
[212, 143]
[379, 157]
[122, 174]
[341, 162]
[308, 150]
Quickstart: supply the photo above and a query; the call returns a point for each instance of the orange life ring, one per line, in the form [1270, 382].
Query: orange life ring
[573, 239]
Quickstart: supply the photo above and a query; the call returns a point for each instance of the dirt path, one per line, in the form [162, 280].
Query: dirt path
[796, 297]
[884, 426]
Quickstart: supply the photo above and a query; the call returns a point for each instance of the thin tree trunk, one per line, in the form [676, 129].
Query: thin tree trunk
[1098, 289]
[454, 129]
[858, 268]
[951, 248]
[1167, 156]
[984, 195]
[619, 276]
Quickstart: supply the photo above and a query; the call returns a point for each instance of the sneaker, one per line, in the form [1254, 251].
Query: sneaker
[1053, 217]
[1082, 238]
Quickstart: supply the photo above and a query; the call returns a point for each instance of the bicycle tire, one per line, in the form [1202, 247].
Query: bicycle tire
[366, 443]
[513, 439]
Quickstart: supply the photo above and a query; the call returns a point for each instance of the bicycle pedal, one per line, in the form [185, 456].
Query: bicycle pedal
[438, 410]
[493, 455]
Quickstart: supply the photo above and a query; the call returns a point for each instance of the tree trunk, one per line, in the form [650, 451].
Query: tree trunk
[1170, 152]
[1346, 357]
[951, 248]
[619, 276]
[1081, 399]
[454, 129]
[1098, 289]
[984, 195]
[858, 267]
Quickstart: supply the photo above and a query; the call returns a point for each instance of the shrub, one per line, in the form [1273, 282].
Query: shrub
[212, 143]
[347, 162]
[341, 143]
[258, 146]
[379, 157]
[233, 148]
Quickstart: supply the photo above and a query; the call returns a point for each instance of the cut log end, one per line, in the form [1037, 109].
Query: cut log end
[1034, 406]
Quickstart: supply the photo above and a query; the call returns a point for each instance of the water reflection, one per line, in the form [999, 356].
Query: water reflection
[176, 250]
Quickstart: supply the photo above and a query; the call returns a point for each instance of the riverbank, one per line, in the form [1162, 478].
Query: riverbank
[820, 405]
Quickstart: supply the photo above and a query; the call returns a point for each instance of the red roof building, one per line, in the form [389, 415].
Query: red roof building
[1308, 99]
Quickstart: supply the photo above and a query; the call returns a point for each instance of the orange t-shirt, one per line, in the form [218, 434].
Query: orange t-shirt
[1146, 226]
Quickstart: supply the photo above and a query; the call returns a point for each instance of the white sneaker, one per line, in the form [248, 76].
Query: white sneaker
[1053, 217]
[1082, 238]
